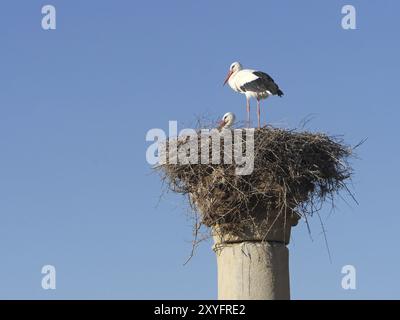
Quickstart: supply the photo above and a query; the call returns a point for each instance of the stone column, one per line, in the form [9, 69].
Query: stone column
[255, 263]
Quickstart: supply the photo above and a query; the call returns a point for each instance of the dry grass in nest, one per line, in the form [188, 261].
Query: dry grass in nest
[293, 172]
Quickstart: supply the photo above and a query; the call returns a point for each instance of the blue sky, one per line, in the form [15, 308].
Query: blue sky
[76, 191]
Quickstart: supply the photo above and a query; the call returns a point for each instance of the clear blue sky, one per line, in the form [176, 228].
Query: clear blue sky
[76, 191]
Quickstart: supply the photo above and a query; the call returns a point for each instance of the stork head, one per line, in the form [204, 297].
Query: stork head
[235, 67]
[227, 120]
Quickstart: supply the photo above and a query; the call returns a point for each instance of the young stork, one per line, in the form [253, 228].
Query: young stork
[227, 121]
[254, 84]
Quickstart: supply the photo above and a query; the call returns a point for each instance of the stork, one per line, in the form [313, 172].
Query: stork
[227, 121]
[253, 84]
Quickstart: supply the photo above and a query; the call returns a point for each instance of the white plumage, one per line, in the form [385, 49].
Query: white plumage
[227, 121]
[253, 84]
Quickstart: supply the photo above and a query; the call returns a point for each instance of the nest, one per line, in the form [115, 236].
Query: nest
[293, 172]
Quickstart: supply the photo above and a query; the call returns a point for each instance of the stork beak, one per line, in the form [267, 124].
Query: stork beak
[228, 76]
[221, 124]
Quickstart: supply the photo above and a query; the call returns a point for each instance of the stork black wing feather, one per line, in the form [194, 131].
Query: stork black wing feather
[262, 84]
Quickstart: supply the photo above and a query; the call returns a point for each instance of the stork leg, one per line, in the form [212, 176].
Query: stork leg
[258, 112]
[248, 111]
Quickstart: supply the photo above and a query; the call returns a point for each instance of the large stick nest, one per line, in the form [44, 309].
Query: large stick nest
[293, 172]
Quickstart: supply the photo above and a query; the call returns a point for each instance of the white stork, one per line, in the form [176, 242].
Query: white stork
[254, 84]
[227, 121]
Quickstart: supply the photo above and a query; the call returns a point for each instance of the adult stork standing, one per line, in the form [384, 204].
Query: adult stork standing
[252, 83]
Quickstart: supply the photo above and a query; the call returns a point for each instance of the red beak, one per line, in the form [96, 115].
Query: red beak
[221, 124]
[228, 76]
